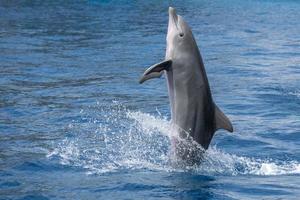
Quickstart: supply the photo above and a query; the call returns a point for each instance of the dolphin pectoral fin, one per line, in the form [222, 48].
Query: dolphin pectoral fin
[222, 122]
[155, 71]
[150, 76]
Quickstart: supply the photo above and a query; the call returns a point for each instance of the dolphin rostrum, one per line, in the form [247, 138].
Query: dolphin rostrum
[193, 110]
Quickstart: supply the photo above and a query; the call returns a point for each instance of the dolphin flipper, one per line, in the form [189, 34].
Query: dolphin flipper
[155, 71]
[222, 122]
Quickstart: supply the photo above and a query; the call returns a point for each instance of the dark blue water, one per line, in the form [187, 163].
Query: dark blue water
[75, 123]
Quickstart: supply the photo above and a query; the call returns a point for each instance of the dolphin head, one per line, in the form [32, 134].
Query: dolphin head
[179, 37]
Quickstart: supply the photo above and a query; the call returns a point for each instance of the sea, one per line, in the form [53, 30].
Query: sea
[76, 124]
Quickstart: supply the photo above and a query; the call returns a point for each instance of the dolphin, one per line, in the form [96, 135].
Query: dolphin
[193, 110]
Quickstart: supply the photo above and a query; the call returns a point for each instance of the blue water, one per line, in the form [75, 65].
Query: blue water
[75, 123]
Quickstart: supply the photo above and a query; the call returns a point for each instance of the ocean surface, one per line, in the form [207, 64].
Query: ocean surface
[75, 123]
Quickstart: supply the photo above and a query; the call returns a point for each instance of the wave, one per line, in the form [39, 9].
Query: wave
[120, 139]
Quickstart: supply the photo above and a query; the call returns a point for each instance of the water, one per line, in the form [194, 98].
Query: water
[75, 123]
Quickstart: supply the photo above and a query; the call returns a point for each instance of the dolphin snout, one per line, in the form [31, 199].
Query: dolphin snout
[172, 11]
[172, 15]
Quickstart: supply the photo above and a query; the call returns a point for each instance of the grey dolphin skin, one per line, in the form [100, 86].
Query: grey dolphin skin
[193, 110]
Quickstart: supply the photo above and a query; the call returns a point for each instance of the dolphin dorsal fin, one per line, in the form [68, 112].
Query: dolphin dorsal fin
[156, 70]
[222, 122]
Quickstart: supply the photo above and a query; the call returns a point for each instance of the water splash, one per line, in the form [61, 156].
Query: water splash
[115, 138]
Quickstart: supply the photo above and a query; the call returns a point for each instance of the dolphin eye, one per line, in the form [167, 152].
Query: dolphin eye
[181, 34]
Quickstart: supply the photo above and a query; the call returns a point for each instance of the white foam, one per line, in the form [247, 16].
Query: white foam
[143, 143]
[233, 164]
[295, 93]
[278, 169]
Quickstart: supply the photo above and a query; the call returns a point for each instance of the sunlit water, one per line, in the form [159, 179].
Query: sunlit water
[75, 123]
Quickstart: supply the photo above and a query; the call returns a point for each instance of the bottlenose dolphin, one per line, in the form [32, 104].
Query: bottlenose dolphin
[193, 110]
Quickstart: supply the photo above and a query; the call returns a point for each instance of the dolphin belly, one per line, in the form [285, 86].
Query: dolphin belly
[194, 112]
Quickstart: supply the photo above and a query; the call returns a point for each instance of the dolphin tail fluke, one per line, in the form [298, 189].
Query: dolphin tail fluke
[155, 71]
[222, 122]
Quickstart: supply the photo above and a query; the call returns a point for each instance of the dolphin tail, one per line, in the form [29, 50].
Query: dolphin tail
[222, 122]
[155, 71]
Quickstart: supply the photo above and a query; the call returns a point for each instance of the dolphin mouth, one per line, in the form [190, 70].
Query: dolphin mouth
[173, 18]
